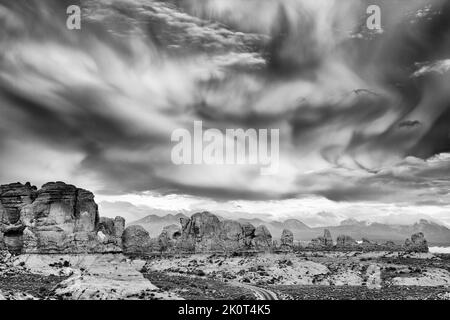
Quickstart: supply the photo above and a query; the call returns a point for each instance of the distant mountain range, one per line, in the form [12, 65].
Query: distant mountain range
[436, 234]
[154, 223]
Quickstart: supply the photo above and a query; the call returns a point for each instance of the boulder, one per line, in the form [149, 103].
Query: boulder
[136, 241]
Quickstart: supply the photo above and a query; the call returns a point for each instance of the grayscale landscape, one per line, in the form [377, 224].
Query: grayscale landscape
[224, 150]
[55, 245]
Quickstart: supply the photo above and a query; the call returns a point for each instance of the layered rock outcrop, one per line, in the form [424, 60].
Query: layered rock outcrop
[58, 218]
[204, 232]
[12, 198]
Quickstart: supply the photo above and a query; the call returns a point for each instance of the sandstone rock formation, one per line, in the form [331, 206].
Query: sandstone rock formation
[167, 239]
[200, 225]
[136, 241]
[12, 198]
[110, 230]
[287, 240]
[204, 232]
[417, 243]
[263, 238]
[232, 234]
[321, 242]
[249, 233]
[328, 240]
[58, 218]
[200, 233]
[172, 231]
[344, 241]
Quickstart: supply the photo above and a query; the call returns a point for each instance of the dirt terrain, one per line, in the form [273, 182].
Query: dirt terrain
[312, 275]
[334, 275]
[361, 293]
[76, 277]
[29, 285]
[198, 288]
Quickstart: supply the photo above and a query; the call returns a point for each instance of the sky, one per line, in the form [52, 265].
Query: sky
[363, 115]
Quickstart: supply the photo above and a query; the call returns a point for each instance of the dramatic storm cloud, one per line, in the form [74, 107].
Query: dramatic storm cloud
[363, 115]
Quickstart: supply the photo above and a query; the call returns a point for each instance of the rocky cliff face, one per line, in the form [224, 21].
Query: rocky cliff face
[58, 218]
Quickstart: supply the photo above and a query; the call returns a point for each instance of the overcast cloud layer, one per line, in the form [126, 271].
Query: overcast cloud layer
[363, 116]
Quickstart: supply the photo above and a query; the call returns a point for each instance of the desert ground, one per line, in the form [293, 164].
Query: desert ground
[293, 276]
